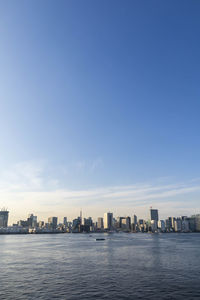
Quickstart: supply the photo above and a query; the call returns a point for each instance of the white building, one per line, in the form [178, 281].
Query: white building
[161, 225]
[108, 220]
[177, 225]
[100, 223]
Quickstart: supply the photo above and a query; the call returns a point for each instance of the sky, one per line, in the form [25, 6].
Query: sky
[99, 107]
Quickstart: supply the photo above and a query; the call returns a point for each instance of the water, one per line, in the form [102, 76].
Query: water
[76, 266]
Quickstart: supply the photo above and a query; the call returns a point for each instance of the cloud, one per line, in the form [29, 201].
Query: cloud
[89, 166]
[26, 187]
[22, 176]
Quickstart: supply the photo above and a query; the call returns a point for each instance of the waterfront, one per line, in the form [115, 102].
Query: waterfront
[76, 266]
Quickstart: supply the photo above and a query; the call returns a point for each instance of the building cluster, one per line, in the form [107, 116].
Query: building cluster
[103, 224]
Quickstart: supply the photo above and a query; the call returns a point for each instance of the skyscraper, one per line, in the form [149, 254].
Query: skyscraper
[108, 220]
[4, 218]
[135, 219]
[53, 222]
[154, 214]
[126, 223]
[154, 219]
[32, 220]
[100, 223]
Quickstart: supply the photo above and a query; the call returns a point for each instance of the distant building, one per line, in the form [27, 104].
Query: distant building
[140, 222]
[191, 221]
[4, 218]
[32, 221]
[41, 224]
[178, 225]
[65, 221]
[154, 218]
[135, 219]
[76, 224]
[52, 222]
[100, 223]
[126, 223]
[120, 222]
[88, 222]
[154, 226]
[22, 223]
[154, 214]
[185, 225]
[108, 221]
[161, 225]
[196, 220]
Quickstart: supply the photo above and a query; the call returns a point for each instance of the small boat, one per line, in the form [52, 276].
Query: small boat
[100, 239]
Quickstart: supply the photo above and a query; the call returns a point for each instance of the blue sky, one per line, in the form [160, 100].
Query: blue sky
[96, 96]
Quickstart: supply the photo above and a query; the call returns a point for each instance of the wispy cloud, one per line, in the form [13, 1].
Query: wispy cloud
[26, 186]
[22, 176]
[89, 165]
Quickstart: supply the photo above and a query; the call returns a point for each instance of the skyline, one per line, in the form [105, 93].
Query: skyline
[95, 201]
[108, 217]
[99, 107]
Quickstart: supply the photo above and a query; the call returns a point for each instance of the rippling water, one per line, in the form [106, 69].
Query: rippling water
[76, 266]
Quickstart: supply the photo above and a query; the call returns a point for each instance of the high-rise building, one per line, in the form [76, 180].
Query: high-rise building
[52, 221]
[108, 220]
[191, 221]
[4, 218]
[87, 221]
[76, 224]
[161, 225]
[185, 225]
[65, 221]
[41, 224]
[154, 214]
[32, 221]
[196, 219]
[100, 223]
[177, 225]
[126, 223]
[135, 219]
[154, 219]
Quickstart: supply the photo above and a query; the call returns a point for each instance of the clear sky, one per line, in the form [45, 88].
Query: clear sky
[99, 107]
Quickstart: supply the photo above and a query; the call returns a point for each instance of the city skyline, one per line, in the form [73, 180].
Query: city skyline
[99, 107]
[107, 223]
[25, 184]
[14, 218]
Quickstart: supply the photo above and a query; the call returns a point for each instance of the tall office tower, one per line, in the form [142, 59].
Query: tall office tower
[65, 221]
[41, 224]
[185, 225]
[4, 218]
[100, 223]
[154, 214]
[108, 220]
[87, 221]
[173, 222]
[126, 223]
[32, 220]
[154, 219]
[196, 219]
[53, 222]
[161, 225]
[177, 225]
[135, 219]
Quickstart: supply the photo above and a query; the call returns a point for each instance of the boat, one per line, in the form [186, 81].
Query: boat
[100, 239]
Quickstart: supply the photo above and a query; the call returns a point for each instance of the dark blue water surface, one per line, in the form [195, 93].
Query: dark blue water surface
[76, 266]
